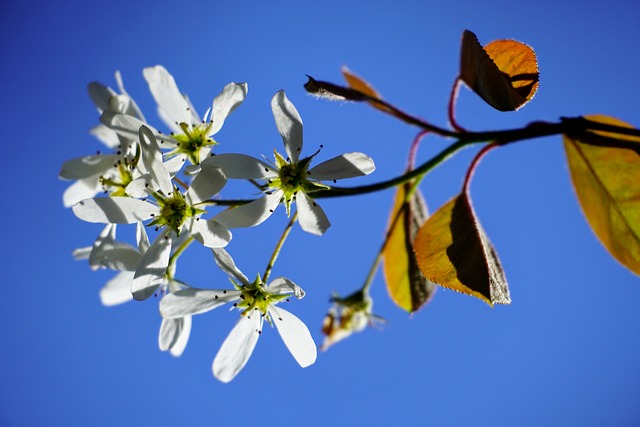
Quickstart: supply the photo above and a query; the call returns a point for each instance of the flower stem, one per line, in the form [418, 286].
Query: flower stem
[276, 251]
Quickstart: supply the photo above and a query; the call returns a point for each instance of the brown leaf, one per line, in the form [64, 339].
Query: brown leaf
[504, 73]
[453, 251]
[332, 91]
[605, 170]
[406, 285]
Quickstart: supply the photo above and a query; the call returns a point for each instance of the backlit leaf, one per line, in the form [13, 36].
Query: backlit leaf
[361, 85]
[605, 170]
[504, 73]
[407, 287]
[453, 251]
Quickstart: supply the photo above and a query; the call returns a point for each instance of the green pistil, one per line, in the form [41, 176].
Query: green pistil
[292, 177]
[174, 211]
[255, 298]
[193, 140]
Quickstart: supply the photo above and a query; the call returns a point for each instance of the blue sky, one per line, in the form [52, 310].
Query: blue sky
[563, 353]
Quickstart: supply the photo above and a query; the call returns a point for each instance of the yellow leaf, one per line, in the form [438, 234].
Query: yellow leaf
[504, 73]
[406, 285]
[453, 251]
[606, 177]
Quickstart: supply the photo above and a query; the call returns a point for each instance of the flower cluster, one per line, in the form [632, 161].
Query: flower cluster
[172, 183]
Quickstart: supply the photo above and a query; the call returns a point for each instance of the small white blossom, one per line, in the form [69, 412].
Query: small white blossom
[109, 173]
[172, 211]
[124, 258]
[290, 178]
[191, 137]
[256, 303]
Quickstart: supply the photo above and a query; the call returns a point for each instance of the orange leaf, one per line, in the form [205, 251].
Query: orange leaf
[453, 251]
[406, 285]
[504, 73]
[361, 85]
[605, 170]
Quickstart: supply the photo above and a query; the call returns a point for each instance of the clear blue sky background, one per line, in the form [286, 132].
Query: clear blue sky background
[564, 353]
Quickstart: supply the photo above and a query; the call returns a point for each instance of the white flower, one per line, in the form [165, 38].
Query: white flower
[124, 258]
[109, 173]
[173, 211]
[290, 178]
[257, 302]
[191, 137]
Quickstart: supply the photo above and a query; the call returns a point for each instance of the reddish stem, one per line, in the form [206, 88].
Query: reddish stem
[475, 162]
[452, 105]
[414, 149]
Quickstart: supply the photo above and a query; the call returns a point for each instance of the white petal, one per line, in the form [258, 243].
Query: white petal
[107, 136]
[225, 262]
[283, 286]
[295, 335]
[88, 166]
[114, 210]
[167, 95]
[132, 108]
[80, 190]
[140, 187]
[289, 124]
[152, 268]
[252, 213]
[117, 290]
[142, 238]
[106, 238]
[123, 124]
[206, 184]
[174, 335]
[228, 100]
[311, 217]
[237, 348]
[100, 95]
[118, 256]
[210, 233]
[193, 301]
[175, 163]
[183, 339]
[152, 161]
[81, 253]
[241, 166]
[348, 165]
